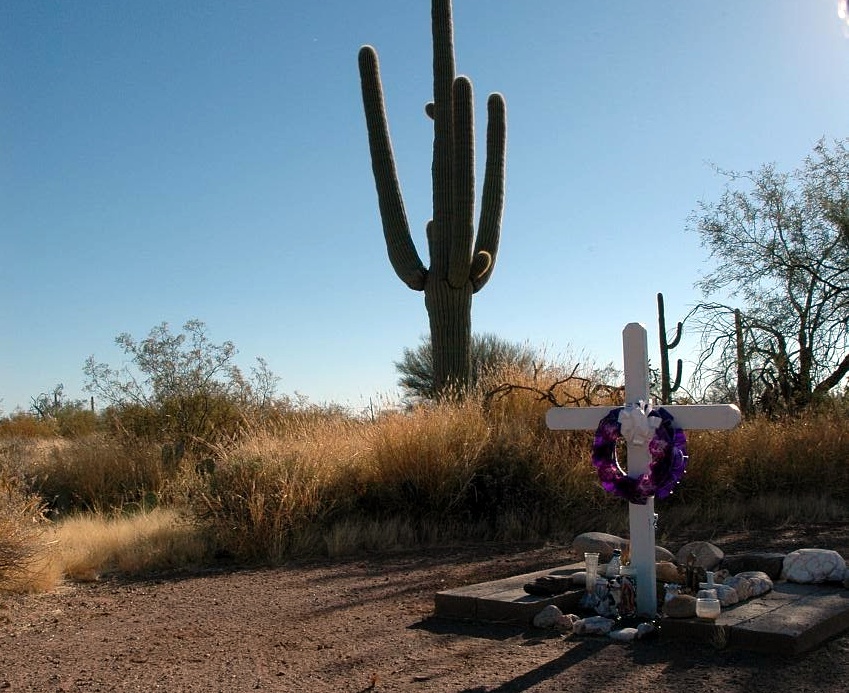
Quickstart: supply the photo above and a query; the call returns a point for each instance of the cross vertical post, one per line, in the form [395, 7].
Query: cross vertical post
[641, 517]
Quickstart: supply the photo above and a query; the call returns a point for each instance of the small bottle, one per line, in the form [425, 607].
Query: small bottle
[615, 564]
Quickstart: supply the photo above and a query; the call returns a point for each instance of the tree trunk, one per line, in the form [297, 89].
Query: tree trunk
[744, 383]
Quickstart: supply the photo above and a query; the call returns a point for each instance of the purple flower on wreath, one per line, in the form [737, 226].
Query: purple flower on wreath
[668, 451]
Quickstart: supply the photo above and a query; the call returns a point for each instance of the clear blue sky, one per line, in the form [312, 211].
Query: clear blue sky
[165, 160]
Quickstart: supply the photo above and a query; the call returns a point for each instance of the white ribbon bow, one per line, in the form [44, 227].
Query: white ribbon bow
[636, 426]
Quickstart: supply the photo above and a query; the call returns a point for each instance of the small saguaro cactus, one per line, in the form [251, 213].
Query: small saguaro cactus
[666, 387]
[460, 261]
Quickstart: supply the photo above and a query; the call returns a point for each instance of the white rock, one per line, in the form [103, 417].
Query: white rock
[548, 617]
[742, 585]
[624, 634]
[760, 585]
[726, 594]
[645, 629]
[814, 566]
[593, 625]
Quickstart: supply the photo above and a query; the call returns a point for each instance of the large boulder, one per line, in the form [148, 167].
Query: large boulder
[661, 554]
[707, 555]
[666, 571]
[598, 542]
[769, 563]
[814, 566]
[603, 544]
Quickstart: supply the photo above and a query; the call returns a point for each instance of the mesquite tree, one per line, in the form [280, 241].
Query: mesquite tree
[780, 243]
[460, 261]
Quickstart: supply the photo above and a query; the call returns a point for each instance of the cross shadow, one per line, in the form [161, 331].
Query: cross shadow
[546, 672]
[471, 629]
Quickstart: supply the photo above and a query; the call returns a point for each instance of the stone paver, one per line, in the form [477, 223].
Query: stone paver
[790, 619]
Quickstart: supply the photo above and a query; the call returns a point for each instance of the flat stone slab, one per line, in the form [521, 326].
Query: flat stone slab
[505, 601]
[790, 619]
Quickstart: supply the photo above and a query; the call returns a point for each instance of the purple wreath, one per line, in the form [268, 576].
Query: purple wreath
[668, 450]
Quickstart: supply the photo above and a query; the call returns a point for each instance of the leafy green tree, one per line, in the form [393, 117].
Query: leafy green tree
[781, 246]
[488, 353]
[181, 386]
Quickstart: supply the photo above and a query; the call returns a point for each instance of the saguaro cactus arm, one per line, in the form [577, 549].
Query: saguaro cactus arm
[402, 251]
[442, 29]
[462, 219]
[492, 199]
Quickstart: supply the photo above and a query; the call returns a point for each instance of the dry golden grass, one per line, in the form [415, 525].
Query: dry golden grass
[790, 457]
[267, 489]
[320, 482]
[84, 547]
[428, 457]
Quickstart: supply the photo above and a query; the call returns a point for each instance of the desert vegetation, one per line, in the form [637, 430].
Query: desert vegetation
[291, 479]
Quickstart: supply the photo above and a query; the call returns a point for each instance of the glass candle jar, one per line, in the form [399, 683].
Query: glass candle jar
[708, 608]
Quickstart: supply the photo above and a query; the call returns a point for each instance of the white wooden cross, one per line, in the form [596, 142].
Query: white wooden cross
[642, 517]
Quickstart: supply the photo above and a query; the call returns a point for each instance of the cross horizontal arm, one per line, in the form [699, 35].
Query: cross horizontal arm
[720, 417]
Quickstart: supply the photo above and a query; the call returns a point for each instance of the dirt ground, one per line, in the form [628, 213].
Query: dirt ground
[367, 624]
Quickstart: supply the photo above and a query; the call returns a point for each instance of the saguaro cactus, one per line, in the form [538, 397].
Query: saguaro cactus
[666, 386]
[460, 262]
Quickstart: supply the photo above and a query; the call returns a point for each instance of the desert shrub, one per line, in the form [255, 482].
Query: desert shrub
[790, 456]
[26, 425]
[488, 352]
[21, 533]
[181, 389]
[538, 477]
[272, 493]
[98, 472]
[420, 464]
[198, 422]
[73, 422]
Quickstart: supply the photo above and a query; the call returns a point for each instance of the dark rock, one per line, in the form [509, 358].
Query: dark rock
[769, 563]
[706, 555]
